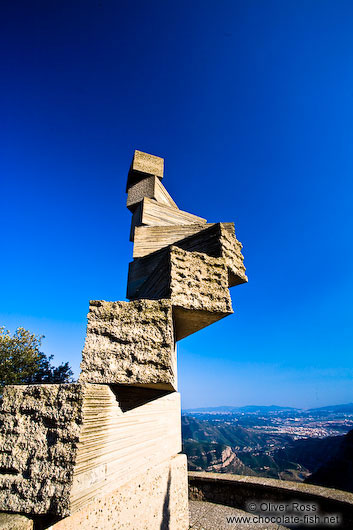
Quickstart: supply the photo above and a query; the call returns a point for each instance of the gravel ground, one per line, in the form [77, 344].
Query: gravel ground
[210, 516]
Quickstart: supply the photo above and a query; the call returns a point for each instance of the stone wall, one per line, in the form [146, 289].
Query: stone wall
[245, 492]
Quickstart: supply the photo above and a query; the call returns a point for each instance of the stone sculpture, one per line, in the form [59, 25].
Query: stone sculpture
[104, 452]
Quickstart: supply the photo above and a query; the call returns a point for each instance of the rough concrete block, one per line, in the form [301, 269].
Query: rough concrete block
[144, 165]
[131, 343]
[61, 446]
[196, 284]
[155, 500]
[216, 239]
[38, 444]
[230, 250]
[151, 188]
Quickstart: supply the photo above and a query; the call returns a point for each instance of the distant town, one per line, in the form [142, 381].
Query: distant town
[276, 442]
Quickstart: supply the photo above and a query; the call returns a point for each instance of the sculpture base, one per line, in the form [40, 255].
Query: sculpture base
[155, 500]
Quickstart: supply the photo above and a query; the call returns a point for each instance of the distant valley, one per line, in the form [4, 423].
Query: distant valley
[276, 442]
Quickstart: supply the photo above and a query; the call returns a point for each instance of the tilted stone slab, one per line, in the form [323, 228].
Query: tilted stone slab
[152, 213]
[149, 239]
[130, 343]
[61, 446]
[196, 284]
[144, 165]
[152, 188]
[216, 239]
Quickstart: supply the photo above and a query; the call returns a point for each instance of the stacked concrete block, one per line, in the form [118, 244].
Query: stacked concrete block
[144, 166]
[104, 452]
[151, 188]
[130, 343]
[149, 212]
[180, 257]
[195, 284]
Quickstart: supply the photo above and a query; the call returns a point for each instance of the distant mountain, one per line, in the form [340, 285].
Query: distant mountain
[246, 409]
[338, 471]
[200, 431]
[346, 408]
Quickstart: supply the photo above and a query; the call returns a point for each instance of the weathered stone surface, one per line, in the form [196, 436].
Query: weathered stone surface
[122, 435]
[150, 187]
[11, 521]
[230, 250]
[144, 165]
[38, 446]
[130, 342]
[152, 213]
[191, 280]
[149, 239]
[155, 500]
[141, 269]
[196, 284]
[216, 239]
[61, 446]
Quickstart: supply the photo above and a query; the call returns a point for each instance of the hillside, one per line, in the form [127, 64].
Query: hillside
[221, 432]
[214, 457]
[338, 471]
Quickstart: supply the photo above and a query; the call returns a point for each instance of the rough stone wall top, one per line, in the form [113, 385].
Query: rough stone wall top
[130, 342]
[38, 445]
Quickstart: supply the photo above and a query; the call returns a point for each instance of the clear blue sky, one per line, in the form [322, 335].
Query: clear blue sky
[251, 105]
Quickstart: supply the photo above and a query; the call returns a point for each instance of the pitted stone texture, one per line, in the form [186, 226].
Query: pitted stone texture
[199, 282]
[155, 500]
[148, 164]
[38, 440]
[144, 165]
[12, 521]
[130, 343]
[231, 251]
[150, 187]
[196, 284]
[191, 280]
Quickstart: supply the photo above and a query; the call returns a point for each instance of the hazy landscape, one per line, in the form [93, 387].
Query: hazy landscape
[276, 442]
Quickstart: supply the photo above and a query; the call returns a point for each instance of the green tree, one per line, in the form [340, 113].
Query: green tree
[21, 360]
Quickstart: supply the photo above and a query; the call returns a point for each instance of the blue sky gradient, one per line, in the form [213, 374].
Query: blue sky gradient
[251, 105]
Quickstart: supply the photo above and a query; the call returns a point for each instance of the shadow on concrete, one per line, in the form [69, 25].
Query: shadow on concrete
[166, 510]
[129, 396]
